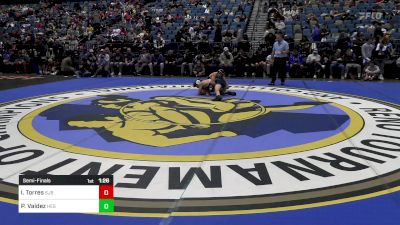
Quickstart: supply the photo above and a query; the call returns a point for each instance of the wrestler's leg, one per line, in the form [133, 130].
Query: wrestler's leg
[217, 89]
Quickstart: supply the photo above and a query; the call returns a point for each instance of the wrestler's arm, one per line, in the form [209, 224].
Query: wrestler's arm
[213, 77]
[227, 85]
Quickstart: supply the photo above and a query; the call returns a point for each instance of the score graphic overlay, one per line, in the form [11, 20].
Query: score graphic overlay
[65, 194]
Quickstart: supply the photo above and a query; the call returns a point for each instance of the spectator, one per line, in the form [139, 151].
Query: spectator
[314, 63]
[242, 68]
[296, 63]
[357, 43]
[199, 58]
[343, 42]
[244, 44]
[350, 60]
[199, 70]
[92, 61]
[316, 34]
[117, 60]
[50, 57]
[372, 71]
[188, 58]
[67, 66]
[366, 50]
[170, 62]
[324, 33]
[159, 42]
[203, 45]
[159, 62]
[279, 24]
[258, 64]
[129, 60]
[218, 33]
[378, 30]
[22, 60]
[383, 52]
[211, 62]
[145, 59]
[287, 14]
[84, 66]
[103, 63]
[148, 20]
[269, 38]
[337, 66]
[226, 60]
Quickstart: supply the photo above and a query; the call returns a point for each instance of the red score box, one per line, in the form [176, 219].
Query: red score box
[106, 192]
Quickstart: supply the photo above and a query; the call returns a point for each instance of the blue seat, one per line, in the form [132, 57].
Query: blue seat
[334, 30]
[396, 35]
[306, 32]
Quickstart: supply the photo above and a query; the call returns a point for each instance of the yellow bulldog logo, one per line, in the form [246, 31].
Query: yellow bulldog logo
[173, 120]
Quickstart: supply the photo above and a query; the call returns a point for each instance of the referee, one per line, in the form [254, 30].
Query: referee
[279, 57]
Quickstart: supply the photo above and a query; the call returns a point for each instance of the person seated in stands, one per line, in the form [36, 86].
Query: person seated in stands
[314, 63]
[296, 64]
[159, 61]
[372, 71]
[279, 23]
[305, 45]
[367, 50]
[343, 42]
[324, 33]
[203, 45]
[358, 39]
[199, 58]
[382, 53]
[351, 62]
[103, 63]
[129, 60]
[316, 35]
[92, 61]
[22, 60]
[187, 62]
[117, 61]
[269, 38]
[198, 69]
[258, 64]
[84, 66]
[159, 42]
[145, 59]
[67, 65]
[242, 68]
[49, 64]
[170, 62]
[226, 60]
[337, 66]
[244, 44]
[9, 61]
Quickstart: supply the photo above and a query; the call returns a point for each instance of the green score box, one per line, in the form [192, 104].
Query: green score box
[106, 205]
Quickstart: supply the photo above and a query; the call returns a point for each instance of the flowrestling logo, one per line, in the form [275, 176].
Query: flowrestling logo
[172, 152]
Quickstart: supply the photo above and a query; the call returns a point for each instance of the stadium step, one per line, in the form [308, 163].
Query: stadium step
[257, 23]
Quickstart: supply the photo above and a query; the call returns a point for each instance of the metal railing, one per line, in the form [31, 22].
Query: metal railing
[197, 47]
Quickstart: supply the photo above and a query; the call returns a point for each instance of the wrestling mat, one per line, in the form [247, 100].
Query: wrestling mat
[309, 153]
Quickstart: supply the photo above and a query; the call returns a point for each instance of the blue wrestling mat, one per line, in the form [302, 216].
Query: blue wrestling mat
[309, 153]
